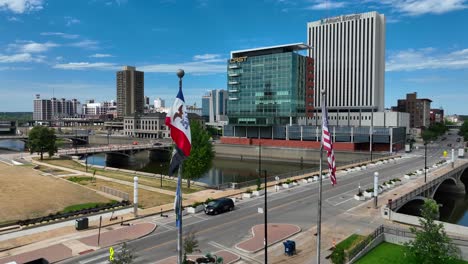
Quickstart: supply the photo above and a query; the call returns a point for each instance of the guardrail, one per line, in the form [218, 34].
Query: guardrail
[421, 189]
[78, 151]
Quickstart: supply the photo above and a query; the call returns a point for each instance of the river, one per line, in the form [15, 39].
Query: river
[222, 170]
[455, 209]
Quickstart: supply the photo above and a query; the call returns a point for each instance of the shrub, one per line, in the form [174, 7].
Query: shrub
[195, 204]
[370, 190]
[338, 256]
[208, 200]
[248, 190]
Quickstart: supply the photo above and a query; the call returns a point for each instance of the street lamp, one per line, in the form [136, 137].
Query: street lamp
[425, 161]
[160, 173]
[376, 188]
[265, 217]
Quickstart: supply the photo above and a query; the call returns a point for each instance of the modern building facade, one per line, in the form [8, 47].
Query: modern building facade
[214, 106]
[349, 56]
[54, 109]
[130, 91]
[436, 116]
[159, 103]
[267, 86]
[418, 108]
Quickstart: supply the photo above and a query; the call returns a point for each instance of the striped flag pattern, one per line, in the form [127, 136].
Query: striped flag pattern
[327, 144]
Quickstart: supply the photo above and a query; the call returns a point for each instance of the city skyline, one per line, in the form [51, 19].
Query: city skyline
[66, 50]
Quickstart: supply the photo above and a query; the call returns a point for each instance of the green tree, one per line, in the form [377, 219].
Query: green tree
[431, 245]
[190, 245]
[428, 135]
[42, 140]
[123, 256]
[201, 154]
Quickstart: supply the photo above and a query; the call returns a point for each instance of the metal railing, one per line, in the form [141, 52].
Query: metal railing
[353, 252]
[283, 176]
[400, 201]
[114, 192]
[364, 243]
[77, 151]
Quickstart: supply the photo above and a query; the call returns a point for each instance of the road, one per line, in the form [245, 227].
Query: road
[295, 206]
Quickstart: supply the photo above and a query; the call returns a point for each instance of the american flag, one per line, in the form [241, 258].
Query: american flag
[327, 144]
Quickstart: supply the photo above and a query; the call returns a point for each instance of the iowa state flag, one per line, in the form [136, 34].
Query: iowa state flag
[179, 125]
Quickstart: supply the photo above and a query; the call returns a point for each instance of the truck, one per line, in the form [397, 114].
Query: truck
[407, 148]
[461, 152]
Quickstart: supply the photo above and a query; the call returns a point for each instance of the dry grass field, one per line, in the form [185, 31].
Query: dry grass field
[25, 193]
[146, 198]
[119, 175]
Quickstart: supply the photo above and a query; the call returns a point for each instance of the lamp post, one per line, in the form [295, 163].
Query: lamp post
[425, 161]
[160, 173]
[266, 219]
[376, 188]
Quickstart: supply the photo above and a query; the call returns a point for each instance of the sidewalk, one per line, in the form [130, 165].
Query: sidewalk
[68, 237]
[69, 248]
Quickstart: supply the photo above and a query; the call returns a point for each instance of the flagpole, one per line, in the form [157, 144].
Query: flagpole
[319, 209]
[179, 212]
[180, 74]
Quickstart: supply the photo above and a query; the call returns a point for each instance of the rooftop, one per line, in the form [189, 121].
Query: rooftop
[270, 50]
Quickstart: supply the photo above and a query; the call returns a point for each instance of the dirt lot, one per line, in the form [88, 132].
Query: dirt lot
[25, 193]
[146, 198]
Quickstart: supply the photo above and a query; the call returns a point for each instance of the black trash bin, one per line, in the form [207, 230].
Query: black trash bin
[289, 247]
[81, 223]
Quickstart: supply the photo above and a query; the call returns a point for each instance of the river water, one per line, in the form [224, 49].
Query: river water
[221, 171]
[455, 209]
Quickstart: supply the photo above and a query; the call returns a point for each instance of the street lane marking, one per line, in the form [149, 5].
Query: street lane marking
[242, 255]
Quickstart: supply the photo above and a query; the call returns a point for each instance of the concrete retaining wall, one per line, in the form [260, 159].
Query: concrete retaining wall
[413, 220]
[284, 154]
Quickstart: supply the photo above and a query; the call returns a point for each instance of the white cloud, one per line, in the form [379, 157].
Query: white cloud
[420, 7]
[87, 44]
[71, 21]
[10, 68]
[100, 55]
[31, 46]
[197, 67]
[60, 34]
[323, 5]
[21, 6]
[86, 66]
[20, 57]
[13, 19]
[422, 59]
[206, 56]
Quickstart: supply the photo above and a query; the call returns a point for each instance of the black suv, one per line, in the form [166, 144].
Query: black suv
[219, 206]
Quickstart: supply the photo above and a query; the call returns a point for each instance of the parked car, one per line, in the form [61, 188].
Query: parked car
[135, 143]
[220, 205]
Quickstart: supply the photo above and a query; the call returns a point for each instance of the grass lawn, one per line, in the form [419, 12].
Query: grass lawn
[350, 241]
[152, 182]
[77, 207]
[25, 193]
[392, 254]
[52, 171]
[146, 198]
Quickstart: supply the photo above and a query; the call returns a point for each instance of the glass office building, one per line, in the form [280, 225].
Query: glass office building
[267, 86]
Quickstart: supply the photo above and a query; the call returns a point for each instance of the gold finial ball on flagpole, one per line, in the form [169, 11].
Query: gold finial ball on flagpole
[180, 73]
[323, 91]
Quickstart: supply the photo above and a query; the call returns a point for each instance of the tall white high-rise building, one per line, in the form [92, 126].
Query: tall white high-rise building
[159, 103]
[349, 59]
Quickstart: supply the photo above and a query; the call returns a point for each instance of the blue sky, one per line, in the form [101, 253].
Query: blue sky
[72, 48]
